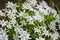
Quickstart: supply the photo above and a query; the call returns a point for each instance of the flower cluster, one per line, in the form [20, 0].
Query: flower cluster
[35, 21]
[3, 34]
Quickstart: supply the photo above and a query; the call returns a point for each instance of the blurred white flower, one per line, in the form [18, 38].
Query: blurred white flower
[23, 22]
[3, 34]
[38, 17]
[11, 5]
[37, 30]
[27, 6]
[44, 4]
[52, 25]
[46, 33]
[40, 38]
[3, 23]
[9, 25]
[1, 13]
[55, 35]
[32, 2]
[24, 35]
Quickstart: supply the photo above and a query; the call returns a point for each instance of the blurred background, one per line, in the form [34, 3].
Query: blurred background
[3, 2]
[53, 3]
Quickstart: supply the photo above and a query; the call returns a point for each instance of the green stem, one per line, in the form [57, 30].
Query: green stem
[58, 10]
[19, 5]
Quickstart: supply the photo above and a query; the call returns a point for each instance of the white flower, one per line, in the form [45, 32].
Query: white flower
[24, 35]
[55, 35]
[47, 11]
[37, 30]
[39, 6]
[14, 11]
[23, 22]
[27, 6]
[32, 2]
[38, 17]
[22, 14]
[46, 33]
[40, 38]
[3, 23]
[9, 25]
[11, 5]
[41, 10]
[11, 15]
[44, 4]
[13, 21]
[52, 25]
[30, 20]
[3, 35]
[28, 0]
[1, 13]
[17, 28]
[54, 12]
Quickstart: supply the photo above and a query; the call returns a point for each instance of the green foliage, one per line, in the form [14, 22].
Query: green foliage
[19, 5]
[37, 23]
[30, 13]
[30, 29]
[10, 33]
[48, 19]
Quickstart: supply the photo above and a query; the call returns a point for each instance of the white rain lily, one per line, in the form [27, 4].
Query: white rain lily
[37, 30]
[44, 4]
[24, 35]
[52, 26]
[1, 13]
[40, 38]
[27, 6]
[3, 34]
[11, 5]
[3, 23]
[55, 35]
